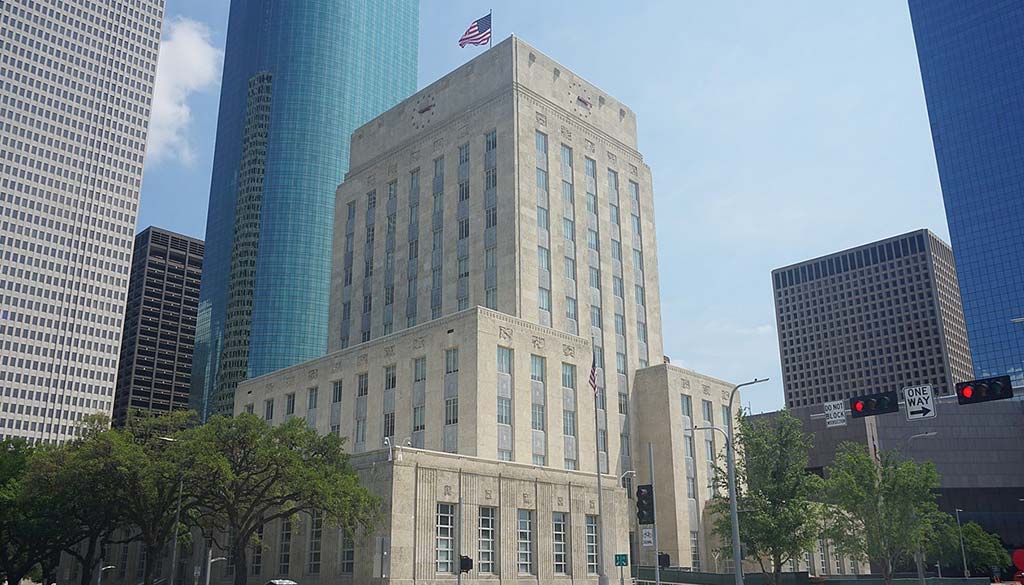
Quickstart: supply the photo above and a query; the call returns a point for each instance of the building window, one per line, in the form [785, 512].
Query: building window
[389, 424]
[540, 460]
[451, 360]
[544, 258]
[544, 299]
[311, 397]
[504, 360]
[543, 218]
[595, 317]
[524, 543]
[568, 376]
[592, 544]
[451, 411]
[284, 547]
[537, 368]
[336, 391]
[593, 241]
[569, 423]
[390, 378]
[347, 563]
[617, 287]
[463, 228]
[559, 543]
[491, 298]
[486, 529]
[257, 553]
[418, 423]
[504, 411]
[268, 409]
[250, 408]
[419, 369]
[504, 455]
[537, 417]
[445, 541]
[694, 550]
[289, 403]
[363, 386]
[316, 531]
[822, 559]
[360, 431]
[570, 309]
[569, 229]
[595, 278]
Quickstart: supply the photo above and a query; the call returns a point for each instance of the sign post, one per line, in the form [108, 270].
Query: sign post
[920, 402]
[835, 414]
[621, 561]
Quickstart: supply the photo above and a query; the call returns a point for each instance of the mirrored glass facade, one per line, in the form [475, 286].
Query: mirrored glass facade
[972, 66]
[298, 78]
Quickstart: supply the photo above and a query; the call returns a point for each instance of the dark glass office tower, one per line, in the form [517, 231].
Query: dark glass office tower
[155, 367]
[299, 76]
[972, 65]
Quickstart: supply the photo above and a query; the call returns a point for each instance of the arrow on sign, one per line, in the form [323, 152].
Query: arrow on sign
[922, 413]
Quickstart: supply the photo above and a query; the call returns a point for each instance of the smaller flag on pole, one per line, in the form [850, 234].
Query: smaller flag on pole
[593, 374]
[478, 33]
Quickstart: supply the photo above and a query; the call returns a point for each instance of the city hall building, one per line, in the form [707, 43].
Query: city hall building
[494, 243]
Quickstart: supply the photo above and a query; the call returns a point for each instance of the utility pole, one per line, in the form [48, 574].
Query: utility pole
[654, 504]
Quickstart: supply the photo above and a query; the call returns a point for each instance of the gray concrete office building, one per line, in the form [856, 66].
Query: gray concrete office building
[878, 317]
[76, 88]
[155, 370]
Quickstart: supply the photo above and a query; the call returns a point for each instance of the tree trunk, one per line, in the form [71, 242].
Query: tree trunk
[13, 578]
[88, 561]
[887, 572]
[50, 568]
[151, 554]
[240, 561]
[776, 577]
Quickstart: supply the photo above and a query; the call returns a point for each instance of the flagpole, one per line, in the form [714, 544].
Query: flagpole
[600, 497]
[490, 39]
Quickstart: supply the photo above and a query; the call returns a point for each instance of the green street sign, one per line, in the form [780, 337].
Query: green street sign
[621, 560]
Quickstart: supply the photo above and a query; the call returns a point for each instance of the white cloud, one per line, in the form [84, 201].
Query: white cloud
[189, 63]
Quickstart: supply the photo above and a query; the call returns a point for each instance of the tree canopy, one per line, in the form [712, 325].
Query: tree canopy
[242, 474]
[883, 509]
[779, 518]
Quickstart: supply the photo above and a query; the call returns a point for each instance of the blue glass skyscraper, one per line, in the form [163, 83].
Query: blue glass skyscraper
[299, 77]
[972, 65]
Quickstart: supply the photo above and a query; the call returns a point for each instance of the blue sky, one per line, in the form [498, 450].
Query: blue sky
[775, 131]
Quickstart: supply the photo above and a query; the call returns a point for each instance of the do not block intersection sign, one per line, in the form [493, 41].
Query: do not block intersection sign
[920, 402]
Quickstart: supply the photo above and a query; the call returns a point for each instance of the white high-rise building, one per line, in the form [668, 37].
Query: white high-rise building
[76, 90]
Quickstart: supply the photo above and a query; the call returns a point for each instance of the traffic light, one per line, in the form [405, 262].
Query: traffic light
[875, 404]
[465, 564]
[975, 391]
[645, 504]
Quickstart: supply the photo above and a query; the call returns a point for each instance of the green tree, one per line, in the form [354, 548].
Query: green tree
[984, 550]
[151, 456]
[31, 532]
[83, 479]
[779, 518]
[883, 509]
[243, 474]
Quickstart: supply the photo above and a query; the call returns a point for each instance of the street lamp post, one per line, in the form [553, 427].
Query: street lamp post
[730, 453]
[99, 577]
[918, 554]
[177, 519]
[963, 551]
[209, 562]
[730, 456]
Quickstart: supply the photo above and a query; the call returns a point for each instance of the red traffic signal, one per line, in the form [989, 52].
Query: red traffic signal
[984, 390]
[645, 504]
[874, 404]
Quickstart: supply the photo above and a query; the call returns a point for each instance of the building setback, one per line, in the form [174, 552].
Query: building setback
[155, 368]
[77, 83]
[878, 317]
[972, 68]
[299, 77]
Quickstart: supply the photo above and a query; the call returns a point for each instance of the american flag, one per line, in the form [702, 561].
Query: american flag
[593, 374]
[478, 33]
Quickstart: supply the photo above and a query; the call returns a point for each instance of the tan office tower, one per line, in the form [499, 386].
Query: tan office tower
[76, 88]
[493, 240]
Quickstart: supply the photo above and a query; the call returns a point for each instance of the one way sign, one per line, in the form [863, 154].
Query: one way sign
[920, 402]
